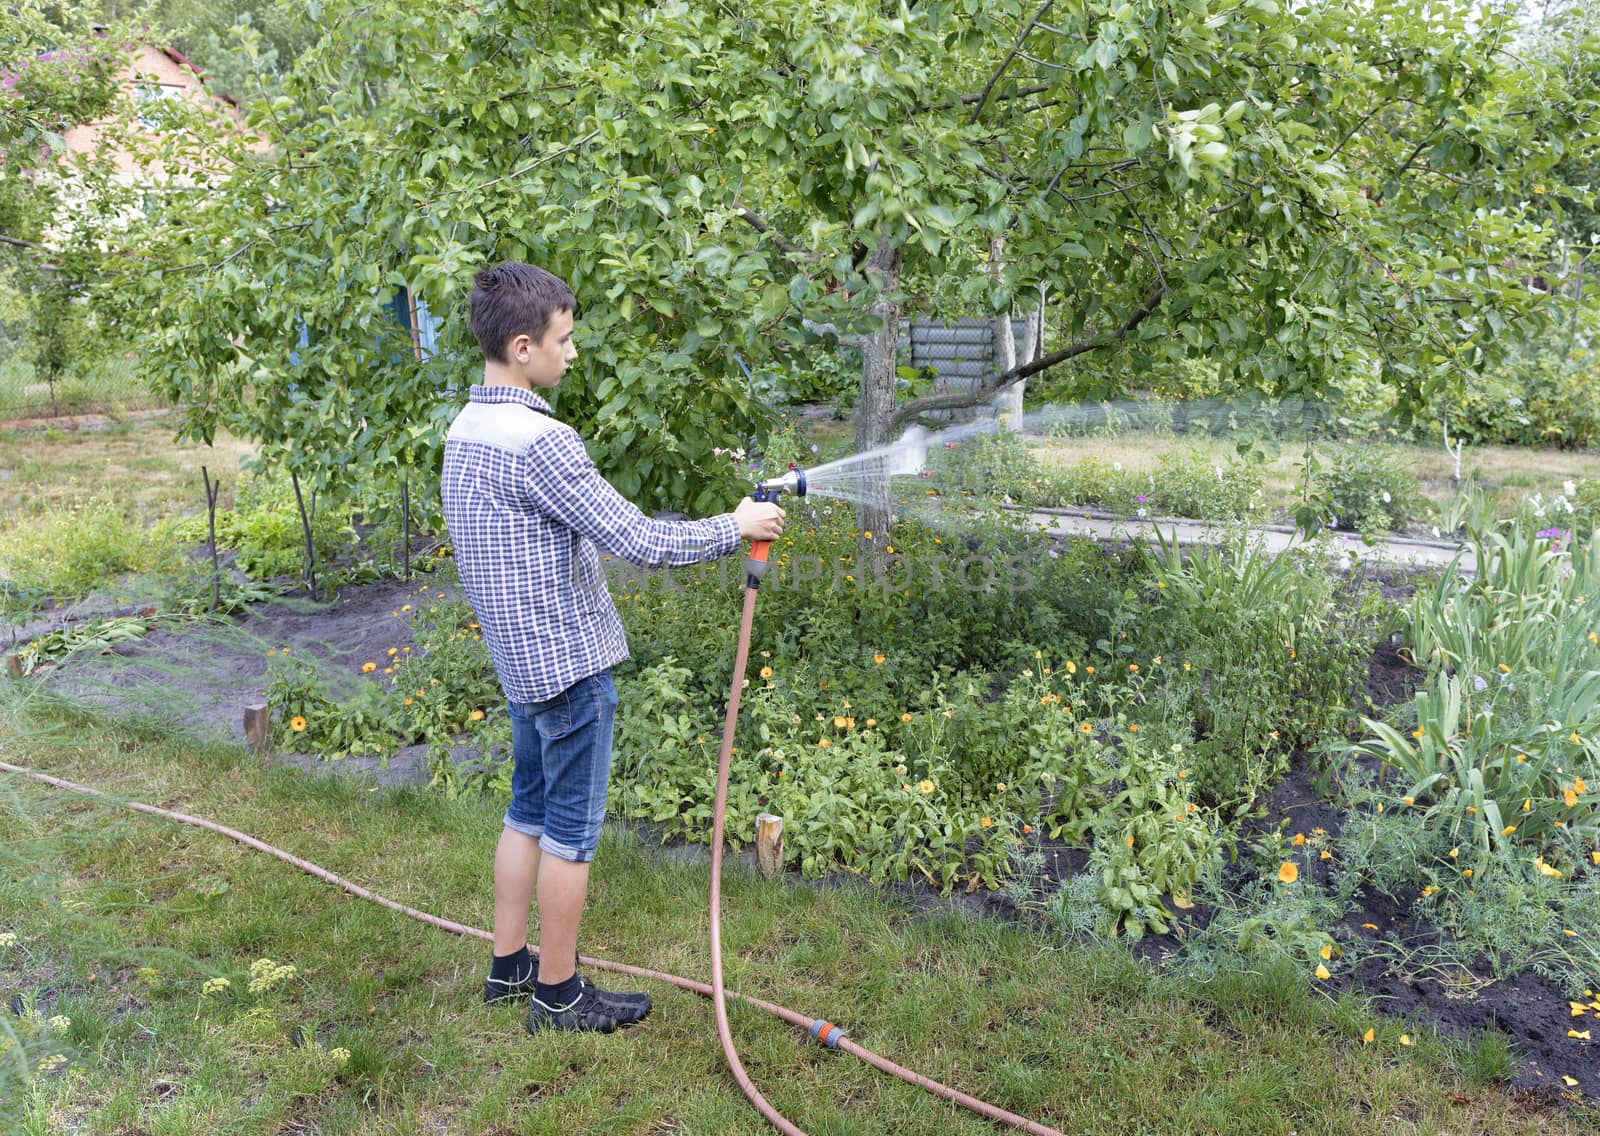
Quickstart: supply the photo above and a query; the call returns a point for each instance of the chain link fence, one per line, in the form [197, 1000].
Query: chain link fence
[113, 386]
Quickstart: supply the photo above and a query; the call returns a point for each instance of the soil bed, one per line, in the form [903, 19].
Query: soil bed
[204, 674]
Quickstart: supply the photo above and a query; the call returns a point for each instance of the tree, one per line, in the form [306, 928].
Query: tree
[1291, 194]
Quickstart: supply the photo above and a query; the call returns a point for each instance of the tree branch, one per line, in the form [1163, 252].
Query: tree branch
[1016, 46]
[968, 100]
[960, 400]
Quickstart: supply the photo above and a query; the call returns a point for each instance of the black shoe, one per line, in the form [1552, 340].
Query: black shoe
[497, 991]
[629, 1008]
[587, 1011]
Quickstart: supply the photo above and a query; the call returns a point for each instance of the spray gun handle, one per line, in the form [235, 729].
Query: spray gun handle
[756, 562]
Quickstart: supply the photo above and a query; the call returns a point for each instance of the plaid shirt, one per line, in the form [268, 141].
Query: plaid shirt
[526, 508]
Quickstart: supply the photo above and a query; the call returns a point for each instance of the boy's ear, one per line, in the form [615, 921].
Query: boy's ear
[519, 348]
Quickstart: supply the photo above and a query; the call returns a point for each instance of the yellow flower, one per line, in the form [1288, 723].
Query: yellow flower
[1089, 670]
[393, 651]
[1370, 926]
[1133, 668]
[1326, 855]
[838, 723]
[1574, 738]
[871, 722]
[867, 535]
[823, 743]
[906, 717]
[1299, 839]
[878, 659]
[1570, 934]
[1087, 728]
[949, 713]
[1417, 733]
[1326, 952]
[1503, 668]
[1367, 1037]
[1581, 1035]
[1133, 728]
[1593, 638]
[1405, 1039]
[1466, 873]
[1578, 786]
[1408, 800]
[1508, 830]
[1569, 797]
[405, 607]
[410, 701]
[1521, 757]
[925, 785]
[1072, 667]
[388, 670]
[1289, 872]
[766, 672]
[368, 668]
[475, 716]
[1595, 856]
[297, 724]
[1429, 890]
[1454, 852]
[1323, 972]
[986, 822]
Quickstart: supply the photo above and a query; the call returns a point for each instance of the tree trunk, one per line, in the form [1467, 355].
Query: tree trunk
[876, 405]
[1008, 403]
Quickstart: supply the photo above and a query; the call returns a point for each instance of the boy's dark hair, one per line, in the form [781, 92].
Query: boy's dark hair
[512, 299]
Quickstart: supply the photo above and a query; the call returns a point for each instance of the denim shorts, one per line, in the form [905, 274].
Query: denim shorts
[561, 762]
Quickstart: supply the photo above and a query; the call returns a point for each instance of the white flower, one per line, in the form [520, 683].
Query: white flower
[1117, 466]
[1478, 683]
[340, 1055]
[61, 1023]
[7, 939]
[1386, 497]
[1569, 489]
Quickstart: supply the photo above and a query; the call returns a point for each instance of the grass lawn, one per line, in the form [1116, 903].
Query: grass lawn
[135, 462]
[120, 919]
[1507, 473]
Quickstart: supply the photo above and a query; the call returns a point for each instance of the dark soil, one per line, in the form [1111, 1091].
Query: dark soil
[205, 675]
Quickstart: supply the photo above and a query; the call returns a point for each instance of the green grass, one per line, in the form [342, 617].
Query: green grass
[1508, 473]
[120, 919]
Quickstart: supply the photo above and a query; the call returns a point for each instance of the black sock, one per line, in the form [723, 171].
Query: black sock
[516, 967]
[559, 994]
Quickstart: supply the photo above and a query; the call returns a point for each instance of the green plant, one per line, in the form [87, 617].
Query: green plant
[55, 647]
[72, 550]
[1363, 488]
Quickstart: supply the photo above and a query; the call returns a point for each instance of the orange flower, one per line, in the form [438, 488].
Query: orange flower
[368, 668]
[871, 722]
[823, 743]
[838, 723]
[1299, 839]
[1087, 728]
[1133, 728]
[1569, 797]
[1323, 972]
[297, 724]
[925, 785]
[1028, 828]
[1288, 872]
[1088, 670]
[475, 716]
[877, 660]
[906, 717]
[393, 651]
[986, 822]
[766, 672]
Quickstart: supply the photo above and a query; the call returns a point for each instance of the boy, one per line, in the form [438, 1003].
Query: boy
[526, 509]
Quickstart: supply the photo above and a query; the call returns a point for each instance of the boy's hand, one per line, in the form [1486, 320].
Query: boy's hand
[759, 520]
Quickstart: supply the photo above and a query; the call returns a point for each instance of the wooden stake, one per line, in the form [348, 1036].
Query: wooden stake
[13, 666]
[257, 725]
[769, 845]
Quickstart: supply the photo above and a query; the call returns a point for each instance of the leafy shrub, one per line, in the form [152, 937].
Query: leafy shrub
[1257, 657]
[1364, 488]
[1544, 398]
[264, 530]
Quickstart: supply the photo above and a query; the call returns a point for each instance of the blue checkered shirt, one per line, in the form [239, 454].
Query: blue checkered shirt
[526, 508]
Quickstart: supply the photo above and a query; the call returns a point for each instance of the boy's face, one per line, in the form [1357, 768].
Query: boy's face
[542, 364]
